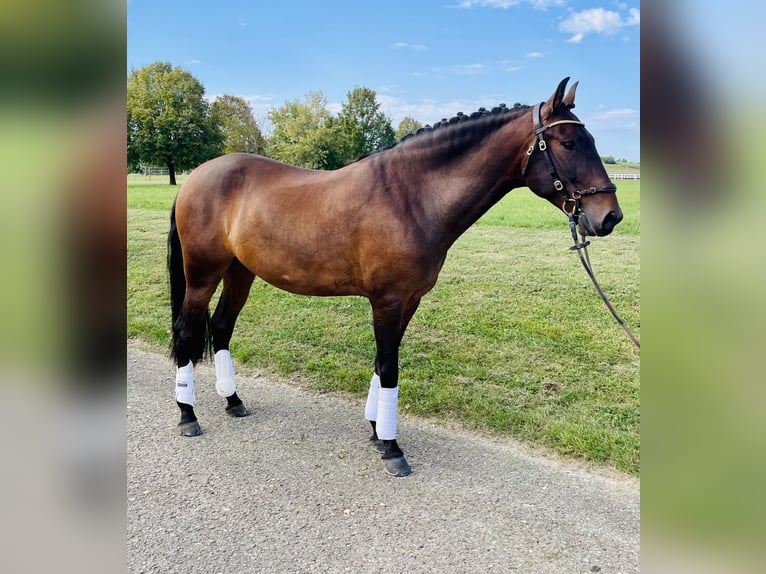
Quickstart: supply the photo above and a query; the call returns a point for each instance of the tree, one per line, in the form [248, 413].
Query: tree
[408, 125]
[365, 127]
[234, 118]
[169, 121]
[305, 134]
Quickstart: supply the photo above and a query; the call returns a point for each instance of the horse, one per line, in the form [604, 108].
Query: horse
[379, 227]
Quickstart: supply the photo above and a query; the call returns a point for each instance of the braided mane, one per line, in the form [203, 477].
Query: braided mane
[444, 126]
[461, 118]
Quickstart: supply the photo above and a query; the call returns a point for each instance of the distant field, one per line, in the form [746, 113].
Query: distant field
[623, 167]
[513, 339]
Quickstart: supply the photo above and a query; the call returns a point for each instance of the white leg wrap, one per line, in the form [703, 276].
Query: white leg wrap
[224, 374]
[185, 384]
[388, 400]
[371, 408]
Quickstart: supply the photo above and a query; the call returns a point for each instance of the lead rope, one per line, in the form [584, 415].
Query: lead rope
[582, 247]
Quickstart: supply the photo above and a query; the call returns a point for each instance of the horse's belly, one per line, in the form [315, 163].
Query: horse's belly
[306, 279]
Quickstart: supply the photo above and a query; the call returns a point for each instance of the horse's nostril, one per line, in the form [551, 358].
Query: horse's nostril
[612, 218]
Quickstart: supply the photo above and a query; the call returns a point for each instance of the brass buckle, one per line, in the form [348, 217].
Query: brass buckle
[574, 206]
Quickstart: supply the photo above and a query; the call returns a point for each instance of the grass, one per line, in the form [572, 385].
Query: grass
[512, 340]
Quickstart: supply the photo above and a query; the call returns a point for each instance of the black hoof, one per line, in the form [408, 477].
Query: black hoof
[377, 444]
[237, 410]
[190, 429]
[396, 466]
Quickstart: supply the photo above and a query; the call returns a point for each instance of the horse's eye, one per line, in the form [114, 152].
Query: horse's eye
[570, 145]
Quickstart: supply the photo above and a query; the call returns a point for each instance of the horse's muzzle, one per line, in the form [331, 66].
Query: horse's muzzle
[610, 221]
[587, 228]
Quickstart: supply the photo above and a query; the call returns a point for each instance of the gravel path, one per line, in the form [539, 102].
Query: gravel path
[296, 488]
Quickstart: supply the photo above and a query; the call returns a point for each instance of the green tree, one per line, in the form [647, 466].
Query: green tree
[305, 134]
[169, 121]
[408, 125]
[365, 127]
[234, 117]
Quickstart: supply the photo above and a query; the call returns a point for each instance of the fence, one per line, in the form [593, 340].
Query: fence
[152, 170]
[624, 175]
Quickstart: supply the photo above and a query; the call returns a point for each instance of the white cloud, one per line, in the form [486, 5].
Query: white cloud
[534, 55]
[336, 107]
[544, 4]
[488, 3]
[597, 21]
[505, 4]
[462, 70]
[429, 111]
[615, 119]
[469, 69]
[416, 47]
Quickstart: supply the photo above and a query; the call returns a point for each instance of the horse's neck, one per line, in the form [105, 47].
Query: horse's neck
[456, 193]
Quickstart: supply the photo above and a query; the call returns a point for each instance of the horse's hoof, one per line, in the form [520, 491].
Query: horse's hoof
[396, 466]
[238, 410]
[190, 429]
[377, 444]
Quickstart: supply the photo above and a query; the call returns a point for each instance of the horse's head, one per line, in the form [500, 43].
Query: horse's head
[564, 167]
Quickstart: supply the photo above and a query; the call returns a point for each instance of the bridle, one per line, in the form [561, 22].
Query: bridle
[572, 199]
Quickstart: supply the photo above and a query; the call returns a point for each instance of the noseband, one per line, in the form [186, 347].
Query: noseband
[572, 199]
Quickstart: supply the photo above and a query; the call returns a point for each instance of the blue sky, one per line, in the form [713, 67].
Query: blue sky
[427, 59]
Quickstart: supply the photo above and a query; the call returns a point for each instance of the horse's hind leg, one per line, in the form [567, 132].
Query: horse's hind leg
[190, 334]
[236, 288]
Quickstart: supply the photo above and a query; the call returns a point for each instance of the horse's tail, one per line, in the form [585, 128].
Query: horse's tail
[175, 270]
[186, 345]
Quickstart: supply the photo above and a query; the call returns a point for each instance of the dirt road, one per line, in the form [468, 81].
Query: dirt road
[295, 488]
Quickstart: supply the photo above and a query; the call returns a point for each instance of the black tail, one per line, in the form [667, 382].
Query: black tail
[175, 269]
[188, 343]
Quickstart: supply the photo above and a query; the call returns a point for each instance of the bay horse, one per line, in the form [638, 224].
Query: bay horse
[379, 228]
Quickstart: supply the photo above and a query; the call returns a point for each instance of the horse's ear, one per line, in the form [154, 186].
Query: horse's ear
[569, 99]
[555, 100]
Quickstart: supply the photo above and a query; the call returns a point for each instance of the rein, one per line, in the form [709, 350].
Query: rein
[580, 246]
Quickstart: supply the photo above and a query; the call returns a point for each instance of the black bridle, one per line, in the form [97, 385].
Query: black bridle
[572, 199]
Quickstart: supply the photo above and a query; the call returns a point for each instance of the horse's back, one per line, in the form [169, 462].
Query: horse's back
[227, 174]
[293, 227]
[223, 189]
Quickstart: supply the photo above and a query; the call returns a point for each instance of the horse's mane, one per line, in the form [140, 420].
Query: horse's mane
[445, 125]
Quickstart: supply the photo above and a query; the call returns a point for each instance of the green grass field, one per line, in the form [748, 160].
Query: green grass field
[513, 340]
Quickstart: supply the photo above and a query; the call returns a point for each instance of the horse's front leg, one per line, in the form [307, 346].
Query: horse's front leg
[383, 398]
